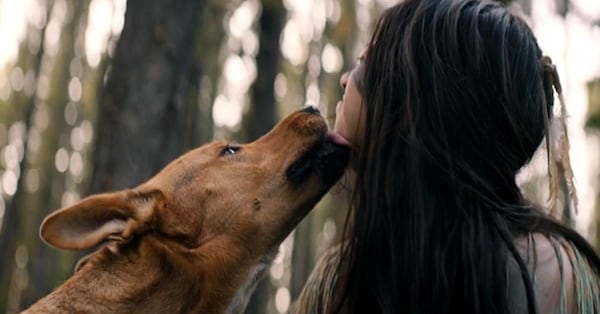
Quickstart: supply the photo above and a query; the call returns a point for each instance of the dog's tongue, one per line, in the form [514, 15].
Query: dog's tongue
[338, 139]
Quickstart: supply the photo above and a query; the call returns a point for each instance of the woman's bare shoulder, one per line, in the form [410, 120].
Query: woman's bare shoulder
[551, 270]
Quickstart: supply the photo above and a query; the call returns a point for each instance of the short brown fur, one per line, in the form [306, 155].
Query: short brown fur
[195, 237]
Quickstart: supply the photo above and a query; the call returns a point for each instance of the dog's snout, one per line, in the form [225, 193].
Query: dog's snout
[303, 126]
[311, 109]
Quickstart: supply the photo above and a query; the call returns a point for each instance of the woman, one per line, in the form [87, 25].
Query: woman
[452, 98]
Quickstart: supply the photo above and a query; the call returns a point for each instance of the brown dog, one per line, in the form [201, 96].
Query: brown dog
[197, 236]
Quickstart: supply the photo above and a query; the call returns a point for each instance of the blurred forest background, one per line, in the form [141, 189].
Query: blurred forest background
[99, 95]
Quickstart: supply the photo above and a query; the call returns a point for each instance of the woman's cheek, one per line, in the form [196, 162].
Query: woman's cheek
[337, 125]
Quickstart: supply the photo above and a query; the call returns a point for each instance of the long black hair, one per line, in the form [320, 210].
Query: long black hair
[456, 103]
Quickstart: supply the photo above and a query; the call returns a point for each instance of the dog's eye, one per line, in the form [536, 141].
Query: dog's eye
[229, 150]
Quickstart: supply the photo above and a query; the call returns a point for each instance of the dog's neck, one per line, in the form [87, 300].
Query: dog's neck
[243, 294]
[149, 283]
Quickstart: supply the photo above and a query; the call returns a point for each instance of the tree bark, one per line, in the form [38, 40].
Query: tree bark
[209, 43]
[143, 110]
[262, 114]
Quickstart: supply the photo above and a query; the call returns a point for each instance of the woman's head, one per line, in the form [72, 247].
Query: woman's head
[449, 104]
[461, 80]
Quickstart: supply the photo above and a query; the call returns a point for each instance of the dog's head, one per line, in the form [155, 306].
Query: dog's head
[216, 197]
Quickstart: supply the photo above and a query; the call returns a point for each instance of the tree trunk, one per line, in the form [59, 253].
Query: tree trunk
[262, 114]
[209, 43]
[143, 110]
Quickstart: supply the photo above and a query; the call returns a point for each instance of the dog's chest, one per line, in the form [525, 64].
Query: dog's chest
[240, 300]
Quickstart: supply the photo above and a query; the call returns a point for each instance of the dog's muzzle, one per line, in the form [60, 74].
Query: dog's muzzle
[325, 159]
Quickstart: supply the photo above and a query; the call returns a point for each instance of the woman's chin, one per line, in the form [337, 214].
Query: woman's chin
[339, 139]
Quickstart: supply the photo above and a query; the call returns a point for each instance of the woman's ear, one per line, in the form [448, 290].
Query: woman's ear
[101, 217]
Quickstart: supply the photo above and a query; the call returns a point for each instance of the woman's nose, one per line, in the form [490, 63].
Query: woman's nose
[344, 79]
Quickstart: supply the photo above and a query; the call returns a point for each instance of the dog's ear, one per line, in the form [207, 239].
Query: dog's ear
[101, 217]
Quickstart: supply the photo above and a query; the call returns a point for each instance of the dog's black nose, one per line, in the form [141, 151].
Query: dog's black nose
[311, 109]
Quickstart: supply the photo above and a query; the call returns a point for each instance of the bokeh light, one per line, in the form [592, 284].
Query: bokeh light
[61, 160]
[9, 182]
[32, 180]
[282, 299]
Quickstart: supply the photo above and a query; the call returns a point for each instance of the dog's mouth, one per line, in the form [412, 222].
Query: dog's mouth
[327, 158]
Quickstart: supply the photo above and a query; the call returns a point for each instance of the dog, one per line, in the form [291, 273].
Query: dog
[197, 236]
